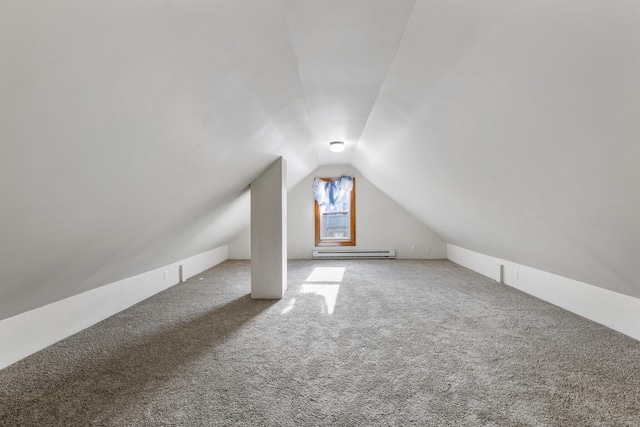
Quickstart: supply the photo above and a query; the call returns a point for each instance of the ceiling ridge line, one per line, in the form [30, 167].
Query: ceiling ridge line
[302, 86]
[386, 75]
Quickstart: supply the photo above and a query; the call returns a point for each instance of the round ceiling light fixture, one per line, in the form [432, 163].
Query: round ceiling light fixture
[336, 146]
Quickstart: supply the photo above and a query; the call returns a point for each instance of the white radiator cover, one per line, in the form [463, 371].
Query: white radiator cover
[354, 254]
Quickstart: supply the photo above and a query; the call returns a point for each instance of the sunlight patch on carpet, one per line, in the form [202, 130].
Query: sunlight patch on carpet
[289, 306]
[328, 291]
[326, 274]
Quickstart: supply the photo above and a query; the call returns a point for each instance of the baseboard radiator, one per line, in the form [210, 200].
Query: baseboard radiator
[355, 254]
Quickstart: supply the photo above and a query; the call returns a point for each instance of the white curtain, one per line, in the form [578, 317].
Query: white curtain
[330, 193]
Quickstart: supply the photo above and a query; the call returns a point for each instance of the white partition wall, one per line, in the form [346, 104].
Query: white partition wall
[269, 232]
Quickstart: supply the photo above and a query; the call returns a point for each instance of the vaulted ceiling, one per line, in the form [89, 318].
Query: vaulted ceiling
[130, 130]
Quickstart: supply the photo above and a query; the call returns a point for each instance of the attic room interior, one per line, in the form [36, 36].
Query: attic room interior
[173, 174]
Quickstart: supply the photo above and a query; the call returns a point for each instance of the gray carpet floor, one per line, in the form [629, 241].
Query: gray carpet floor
[402, 343]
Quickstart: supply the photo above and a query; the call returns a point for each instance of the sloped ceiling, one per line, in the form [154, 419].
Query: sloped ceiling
[512, 129]
[130, 130]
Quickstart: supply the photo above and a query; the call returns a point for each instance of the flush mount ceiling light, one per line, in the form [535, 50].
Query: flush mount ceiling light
[336, 146]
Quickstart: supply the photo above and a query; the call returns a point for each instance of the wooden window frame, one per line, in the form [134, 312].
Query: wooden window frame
[338, 242]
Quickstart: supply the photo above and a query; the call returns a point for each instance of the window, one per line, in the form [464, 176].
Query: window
[335, 211]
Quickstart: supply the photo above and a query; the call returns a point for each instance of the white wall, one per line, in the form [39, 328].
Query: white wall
[240, 246]
[612, 309]
[380, 222]
[31, 331]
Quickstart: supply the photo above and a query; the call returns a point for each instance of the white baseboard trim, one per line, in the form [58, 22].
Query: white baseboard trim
[612, 309]
[34, 330]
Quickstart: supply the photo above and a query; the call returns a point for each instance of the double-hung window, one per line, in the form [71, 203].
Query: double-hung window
[335, 211]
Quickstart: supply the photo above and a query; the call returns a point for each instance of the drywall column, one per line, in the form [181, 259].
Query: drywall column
[269, 232]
